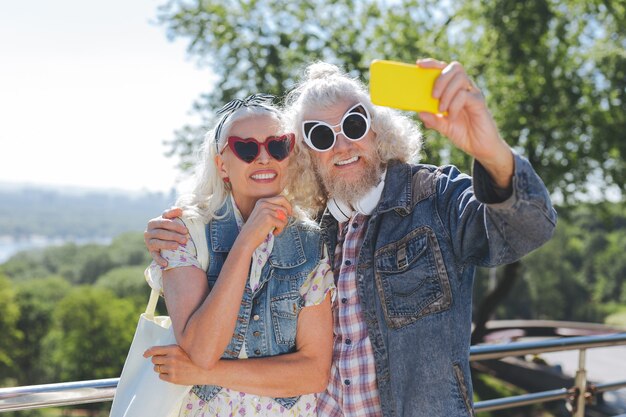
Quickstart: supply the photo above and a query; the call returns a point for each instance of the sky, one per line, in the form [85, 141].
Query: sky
[89, 91]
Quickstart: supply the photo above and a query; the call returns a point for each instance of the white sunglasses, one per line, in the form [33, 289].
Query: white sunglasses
[321, 136]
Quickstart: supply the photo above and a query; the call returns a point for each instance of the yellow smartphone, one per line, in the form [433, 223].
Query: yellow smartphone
[403, 86]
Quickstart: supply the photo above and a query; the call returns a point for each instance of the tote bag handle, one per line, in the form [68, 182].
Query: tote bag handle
[152, 303]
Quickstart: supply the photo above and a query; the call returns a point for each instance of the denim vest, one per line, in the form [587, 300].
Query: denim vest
[268, 317]
[415, 272]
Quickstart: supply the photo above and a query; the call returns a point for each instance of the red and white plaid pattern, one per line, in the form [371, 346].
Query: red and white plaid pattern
[352, 391]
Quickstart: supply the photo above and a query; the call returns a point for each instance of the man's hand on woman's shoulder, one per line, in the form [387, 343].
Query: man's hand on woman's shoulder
[164, 233]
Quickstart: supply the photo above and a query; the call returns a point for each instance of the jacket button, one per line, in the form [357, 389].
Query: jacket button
[348, 341]
[257, 352]
[256, 333]
[255, 317]
[348, 263]
[346, 381]
[344, 300]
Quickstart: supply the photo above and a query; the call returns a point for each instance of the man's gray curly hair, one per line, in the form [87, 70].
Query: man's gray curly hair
[397, 136]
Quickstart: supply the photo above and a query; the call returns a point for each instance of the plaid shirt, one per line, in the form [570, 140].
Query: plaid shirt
[352, 391]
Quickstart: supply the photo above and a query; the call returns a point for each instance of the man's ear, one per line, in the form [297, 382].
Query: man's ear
[221, 166]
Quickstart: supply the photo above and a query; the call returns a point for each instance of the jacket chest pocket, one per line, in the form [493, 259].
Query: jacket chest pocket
[285, 309]
[411, 278]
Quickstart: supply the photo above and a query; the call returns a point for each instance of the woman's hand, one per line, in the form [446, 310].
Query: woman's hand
[268, 215]
[174, 365]
[164, 233]
[468, 124]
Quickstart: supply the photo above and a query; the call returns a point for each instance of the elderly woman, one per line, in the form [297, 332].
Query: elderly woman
[264, 297]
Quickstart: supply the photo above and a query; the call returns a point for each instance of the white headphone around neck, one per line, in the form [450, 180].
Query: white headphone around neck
[342, 211]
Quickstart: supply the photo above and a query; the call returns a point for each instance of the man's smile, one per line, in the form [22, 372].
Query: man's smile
[347, 161]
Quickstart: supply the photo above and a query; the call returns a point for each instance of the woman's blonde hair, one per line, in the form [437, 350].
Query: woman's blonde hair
[209, 192]
[397, 136]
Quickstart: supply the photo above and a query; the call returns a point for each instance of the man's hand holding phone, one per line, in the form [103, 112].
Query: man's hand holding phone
[448, 101]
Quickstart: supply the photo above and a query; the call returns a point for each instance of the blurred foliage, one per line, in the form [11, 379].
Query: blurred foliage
[491, 387]
[126, 282]
[11, 335]
[89, 336]
[618, 318]
[78, 264]
[129, 249]
[553, 72]
[69, 312]
[38, 300]
[579, 275]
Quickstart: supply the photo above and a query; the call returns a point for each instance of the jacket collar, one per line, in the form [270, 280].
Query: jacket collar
[397, 194]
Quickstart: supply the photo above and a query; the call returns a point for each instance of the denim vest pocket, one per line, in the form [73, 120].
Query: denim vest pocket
[411, 278]
[285, 309]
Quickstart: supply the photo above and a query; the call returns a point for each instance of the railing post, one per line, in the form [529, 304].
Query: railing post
[581, 384]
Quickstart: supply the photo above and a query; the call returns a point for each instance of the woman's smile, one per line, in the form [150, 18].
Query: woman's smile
[264, 175]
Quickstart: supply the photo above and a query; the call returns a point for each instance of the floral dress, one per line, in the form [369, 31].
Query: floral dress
[231, 403]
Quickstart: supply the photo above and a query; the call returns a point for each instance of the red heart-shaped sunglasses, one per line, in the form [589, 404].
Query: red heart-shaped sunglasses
[278, 147]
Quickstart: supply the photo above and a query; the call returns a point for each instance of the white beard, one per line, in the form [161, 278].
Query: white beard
[350, 191]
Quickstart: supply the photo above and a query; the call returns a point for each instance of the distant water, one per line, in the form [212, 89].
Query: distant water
[9, 245]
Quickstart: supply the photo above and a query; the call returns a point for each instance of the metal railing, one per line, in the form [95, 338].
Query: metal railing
[578, 395]
[84, 392]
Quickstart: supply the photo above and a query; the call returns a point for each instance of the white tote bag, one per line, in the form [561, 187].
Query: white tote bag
[140, 391]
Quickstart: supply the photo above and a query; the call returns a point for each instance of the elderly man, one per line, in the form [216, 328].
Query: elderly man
[404, 238]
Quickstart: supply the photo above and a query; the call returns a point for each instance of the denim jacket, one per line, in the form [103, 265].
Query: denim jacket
[268, 317]
[415, 271]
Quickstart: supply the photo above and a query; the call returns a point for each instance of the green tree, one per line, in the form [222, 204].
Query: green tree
[90, 335]
[578, 275]
[9, 315]
[64, 260]
[37, 300]
[558, 290]
[609, 268]
[26, 265]
[92, 261]
[128, 249]
[127, 282]
[78, 263]
[554, 75]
